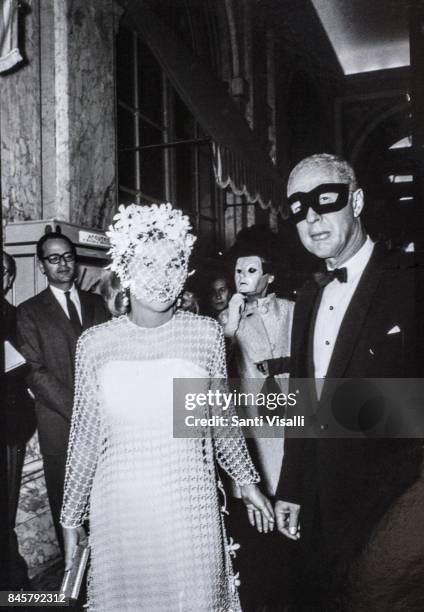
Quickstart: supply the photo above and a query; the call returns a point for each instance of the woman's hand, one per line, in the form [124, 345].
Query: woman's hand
[259, 508]
[72, 536]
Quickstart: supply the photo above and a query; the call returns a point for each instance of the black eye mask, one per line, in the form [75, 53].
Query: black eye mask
[326, 198]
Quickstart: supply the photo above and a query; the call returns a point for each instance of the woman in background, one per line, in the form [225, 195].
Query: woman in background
[218, 295]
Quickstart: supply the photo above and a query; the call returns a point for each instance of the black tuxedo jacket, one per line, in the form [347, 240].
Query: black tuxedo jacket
[349, 483]
[48, 341]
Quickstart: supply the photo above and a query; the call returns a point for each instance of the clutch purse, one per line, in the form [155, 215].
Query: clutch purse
[72, 578]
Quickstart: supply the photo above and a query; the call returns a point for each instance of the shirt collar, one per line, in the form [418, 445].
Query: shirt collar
[266, 299]
[357, 263]
[262, 304]
[61, 292]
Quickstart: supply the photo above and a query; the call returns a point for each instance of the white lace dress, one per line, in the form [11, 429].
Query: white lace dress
[156, 530]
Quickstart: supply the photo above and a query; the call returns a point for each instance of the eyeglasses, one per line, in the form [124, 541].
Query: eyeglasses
[55, 258]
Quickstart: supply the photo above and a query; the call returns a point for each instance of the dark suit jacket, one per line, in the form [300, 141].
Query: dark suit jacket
[47, 341]
[349, 483]
[18, 419]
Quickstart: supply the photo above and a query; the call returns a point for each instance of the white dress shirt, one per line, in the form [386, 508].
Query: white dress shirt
[334, 303]
[59, 294]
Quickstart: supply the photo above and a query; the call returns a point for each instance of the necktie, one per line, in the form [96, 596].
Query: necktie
[73, 314]
[323, 278]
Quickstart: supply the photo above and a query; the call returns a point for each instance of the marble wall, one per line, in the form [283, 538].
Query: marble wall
[85, 110]
[58, 144]
[20, 127]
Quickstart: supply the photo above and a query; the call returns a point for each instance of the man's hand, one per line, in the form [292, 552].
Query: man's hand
[287, 516]
[259, 508]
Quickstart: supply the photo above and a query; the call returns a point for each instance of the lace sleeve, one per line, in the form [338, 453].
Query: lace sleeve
[230, 445]
[83, 448]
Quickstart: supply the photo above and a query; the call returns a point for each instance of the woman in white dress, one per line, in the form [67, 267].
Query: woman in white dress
[156, 532]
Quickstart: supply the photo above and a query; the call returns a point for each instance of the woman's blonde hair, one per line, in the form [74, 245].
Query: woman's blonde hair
[114, 295]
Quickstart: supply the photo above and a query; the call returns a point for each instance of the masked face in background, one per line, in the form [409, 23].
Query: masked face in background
[157, 271]
[250, 278]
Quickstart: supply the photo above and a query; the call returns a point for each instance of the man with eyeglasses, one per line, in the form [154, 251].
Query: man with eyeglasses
[49, 325]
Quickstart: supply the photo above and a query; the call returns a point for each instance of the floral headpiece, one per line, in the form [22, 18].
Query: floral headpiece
[157, 234]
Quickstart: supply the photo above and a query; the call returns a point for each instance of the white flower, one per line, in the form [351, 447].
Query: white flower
[236, 581]
[231, 547]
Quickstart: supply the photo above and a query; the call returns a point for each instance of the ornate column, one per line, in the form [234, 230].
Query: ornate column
[78, 100]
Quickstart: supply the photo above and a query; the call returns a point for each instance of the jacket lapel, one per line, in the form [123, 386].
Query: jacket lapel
[56, 312]
[310, 341]
[87, 309]
[302, 366]
[303, 322]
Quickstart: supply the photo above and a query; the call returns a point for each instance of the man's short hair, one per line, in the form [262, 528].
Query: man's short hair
[11, 264]
[344, 169]
[215, 276]
[53, 236]
[255, 241]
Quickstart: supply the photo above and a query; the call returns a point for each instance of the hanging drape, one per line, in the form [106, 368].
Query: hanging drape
[239, 161]
[9, 52]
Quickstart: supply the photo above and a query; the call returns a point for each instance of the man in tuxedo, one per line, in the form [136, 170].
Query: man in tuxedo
[49, 325]
[356, 320]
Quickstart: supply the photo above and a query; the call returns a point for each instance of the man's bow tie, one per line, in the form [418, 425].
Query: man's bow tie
[323, 278]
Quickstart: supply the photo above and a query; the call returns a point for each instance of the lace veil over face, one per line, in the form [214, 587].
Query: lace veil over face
[150, 249]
